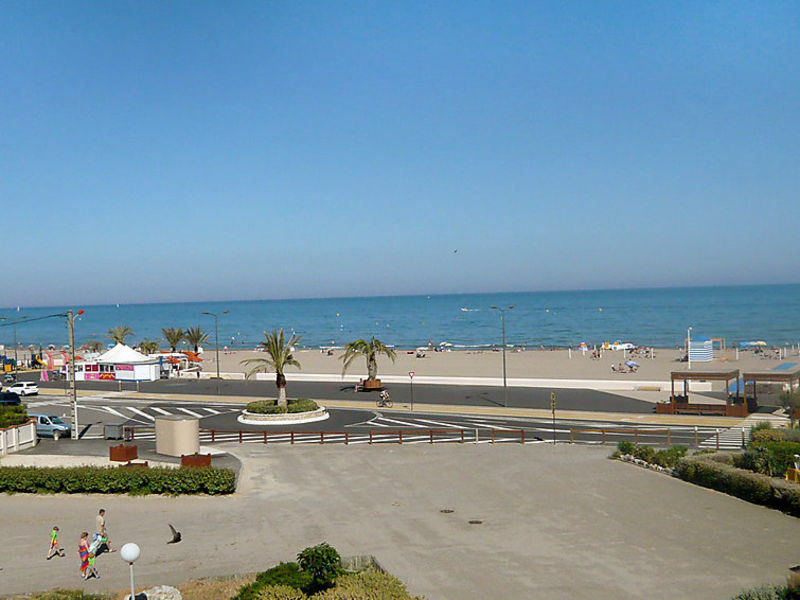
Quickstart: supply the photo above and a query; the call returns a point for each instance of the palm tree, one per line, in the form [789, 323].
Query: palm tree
[370, 350]
[94, 345]
[195, 336]
[173, 336]
[119, 333]
[279, 352]
[148, 346]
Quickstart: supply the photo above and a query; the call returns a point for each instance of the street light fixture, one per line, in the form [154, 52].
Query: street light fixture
[216, 338]
[503, 310]
[130, 553]
[689, 347]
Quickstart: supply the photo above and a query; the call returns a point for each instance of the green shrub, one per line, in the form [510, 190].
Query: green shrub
[13, 415]
[669, 458]
[114, 480]
[270, 407]
[625, 447]
[69, 595]
[791, 435]
[764, 592]
[281, 592]
[366, 585]
[757, 459]
[753, 487]
[763, 435]
[646, 453]
[323, 563]
[302, 405]
[285, 574]
[783, 455]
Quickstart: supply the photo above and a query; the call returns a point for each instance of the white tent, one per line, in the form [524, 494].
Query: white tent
[122, 353]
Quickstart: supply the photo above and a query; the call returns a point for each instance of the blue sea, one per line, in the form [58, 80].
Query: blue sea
[657, 317]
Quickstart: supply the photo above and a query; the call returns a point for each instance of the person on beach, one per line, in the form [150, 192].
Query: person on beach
[55, 549]
[83, 553]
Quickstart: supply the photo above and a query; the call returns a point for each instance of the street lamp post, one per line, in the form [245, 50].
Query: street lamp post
[503, 321]
[216, 339]
[689, 347]
[130, 553]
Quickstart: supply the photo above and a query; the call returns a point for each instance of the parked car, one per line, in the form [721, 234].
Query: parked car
[24, 388]
[51, 426]
[9, 399]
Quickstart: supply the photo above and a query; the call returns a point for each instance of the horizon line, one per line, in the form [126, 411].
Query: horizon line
[308, 298]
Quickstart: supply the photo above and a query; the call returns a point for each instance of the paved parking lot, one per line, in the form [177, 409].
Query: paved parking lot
[556, 522]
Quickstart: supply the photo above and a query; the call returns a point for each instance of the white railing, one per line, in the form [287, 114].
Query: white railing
[18, 437]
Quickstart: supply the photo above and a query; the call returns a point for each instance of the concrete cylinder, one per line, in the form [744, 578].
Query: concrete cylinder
[177, 435]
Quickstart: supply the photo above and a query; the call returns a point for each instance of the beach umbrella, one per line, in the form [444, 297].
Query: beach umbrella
[632, 363]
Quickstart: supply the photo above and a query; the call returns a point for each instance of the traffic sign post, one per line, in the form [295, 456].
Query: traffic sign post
[411, 380]
[553, 409]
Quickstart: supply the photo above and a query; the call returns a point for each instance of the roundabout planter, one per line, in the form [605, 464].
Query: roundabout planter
[249, 418]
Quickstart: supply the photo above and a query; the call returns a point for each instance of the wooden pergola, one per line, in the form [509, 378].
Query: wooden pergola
[687, 376]
[787, 377]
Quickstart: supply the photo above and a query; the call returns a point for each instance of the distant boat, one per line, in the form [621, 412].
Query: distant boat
[465, 309]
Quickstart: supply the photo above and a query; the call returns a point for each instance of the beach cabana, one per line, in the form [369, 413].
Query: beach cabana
[681, 404]
[788, 377]
[701, 349]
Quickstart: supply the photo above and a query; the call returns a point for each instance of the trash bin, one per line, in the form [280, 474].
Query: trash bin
[177, 435]
[113, 431]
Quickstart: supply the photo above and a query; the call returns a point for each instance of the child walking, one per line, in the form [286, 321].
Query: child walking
[91, 571]
[55, 549]
[83, 552]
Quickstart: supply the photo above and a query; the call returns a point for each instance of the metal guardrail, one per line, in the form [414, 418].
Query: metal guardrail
[637, 433]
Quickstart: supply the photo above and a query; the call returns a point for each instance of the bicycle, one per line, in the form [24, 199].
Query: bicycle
[384, 401]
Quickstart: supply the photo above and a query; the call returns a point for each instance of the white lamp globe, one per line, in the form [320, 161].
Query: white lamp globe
[129, 552]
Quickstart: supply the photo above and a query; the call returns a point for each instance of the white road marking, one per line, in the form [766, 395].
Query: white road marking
[190, 412]
[442, 424]
[415, 425]
[139, 412]
[211, 410]
[160, 410]
[108, 409]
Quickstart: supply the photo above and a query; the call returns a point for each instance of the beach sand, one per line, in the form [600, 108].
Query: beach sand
[555, 364]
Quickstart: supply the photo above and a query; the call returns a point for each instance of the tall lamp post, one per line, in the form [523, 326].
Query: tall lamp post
[689, 347]
[216, 338]
[503, 310]
[130, 553]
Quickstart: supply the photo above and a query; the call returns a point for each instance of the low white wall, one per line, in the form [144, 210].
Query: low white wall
[20, 437]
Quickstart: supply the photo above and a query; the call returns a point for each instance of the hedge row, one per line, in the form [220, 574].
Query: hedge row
[13, 415]
[270, 407]
[366, 585]
[753, 487]
[116, 480]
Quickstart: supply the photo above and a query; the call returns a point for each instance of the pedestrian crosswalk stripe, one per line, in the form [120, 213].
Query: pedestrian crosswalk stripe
[189, 412]
[141, 412]
[449, 425]
[160, 410]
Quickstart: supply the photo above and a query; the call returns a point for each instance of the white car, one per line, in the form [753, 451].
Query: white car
[24, 388]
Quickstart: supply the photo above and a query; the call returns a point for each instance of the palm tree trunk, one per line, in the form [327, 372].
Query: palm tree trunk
[372, 368]
[280, 382]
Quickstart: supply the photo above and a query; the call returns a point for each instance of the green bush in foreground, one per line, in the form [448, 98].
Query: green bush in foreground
[790, 591]
[323, 563]
[114, 480]
[667, 458]
[366, 585]
[13, 415]
[753, 487]
[69, 595]
[270, 407]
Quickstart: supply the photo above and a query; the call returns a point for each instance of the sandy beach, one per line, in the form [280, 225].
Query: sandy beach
[525, 364]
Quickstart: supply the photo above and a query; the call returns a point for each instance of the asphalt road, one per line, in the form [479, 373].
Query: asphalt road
[140, 414]
[567, 399]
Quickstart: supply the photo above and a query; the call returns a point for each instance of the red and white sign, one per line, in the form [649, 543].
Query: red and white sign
[411, 374]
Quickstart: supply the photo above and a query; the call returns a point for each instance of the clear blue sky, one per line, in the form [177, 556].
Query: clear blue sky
[158, 151]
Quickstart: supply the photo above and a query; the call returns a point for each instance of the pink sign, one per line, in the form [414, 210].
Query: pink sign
[123, 367]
